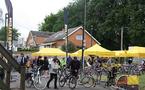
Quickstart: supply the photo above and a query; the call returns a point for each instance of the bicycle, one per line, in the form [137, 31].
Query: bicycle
[114, 83]
[35, 79]
[68, 77]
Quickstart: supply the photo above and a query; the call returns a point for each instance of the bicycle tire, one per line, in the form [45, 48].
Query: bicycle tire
[40, 82]
[72, 82]
[62, 80]
[28, 83]
[87, 81]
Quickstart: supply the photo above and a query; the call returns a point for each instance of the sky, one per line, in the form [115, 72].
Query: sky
[28, 14]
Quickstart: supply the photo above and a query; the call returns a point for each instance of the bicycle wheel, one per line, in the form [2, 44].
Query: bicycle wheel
[40, 82]
[62, 80]
[72, 82]
[28, 83]
[87, 81]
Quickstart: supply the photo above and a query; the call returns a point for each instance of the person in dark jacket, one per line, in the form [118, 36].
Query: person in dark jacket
[39, 61]
[74, 66]
[23, 60]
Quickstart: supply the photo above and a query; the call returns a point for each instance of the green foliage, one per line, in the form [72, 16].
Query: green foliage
[3, 34]
[28, 49]
[52, 22]
[107, 18]
[71, 47]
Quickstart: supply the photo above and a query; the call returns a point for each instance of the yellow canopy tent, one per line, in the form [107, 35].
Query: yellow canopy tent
[99, 51]
[136, 51]
[77, 53]
[122, 53]
[49, 52]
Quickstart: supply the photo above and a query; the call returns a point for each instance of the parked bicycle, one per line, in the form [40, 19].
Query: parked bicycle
[36, 79]
[64, 78]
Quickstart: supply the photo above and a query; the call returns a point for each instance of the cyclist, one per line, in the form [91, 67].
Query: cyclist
[74, 66]
[69, 59]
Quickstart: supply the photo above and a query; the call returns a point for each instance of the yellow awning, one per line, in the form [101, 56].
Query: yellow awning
[49, 52]
[99, 51]
[77, 53]
[122, 53]
[136, 51]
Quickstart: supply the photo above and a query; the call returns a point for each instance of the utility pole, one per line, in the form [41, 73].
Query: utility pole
[122, 29]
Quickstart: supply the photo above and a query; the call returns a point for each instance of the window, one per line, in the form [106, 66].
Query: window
[78, 37]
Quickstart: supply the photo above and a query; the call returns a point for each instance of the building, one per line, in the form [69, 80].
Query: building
[36, 38]
[74, 35]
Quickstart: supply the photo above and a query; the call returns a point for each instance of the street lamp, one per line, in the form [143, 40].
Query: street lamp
[66, 31]
[83, 34]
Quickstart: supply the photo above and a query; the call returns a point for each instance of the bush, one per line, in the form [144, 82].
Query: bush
[28, 49]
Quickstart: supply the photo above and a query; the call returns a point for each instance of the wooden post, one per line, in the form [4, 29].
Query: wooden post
[3, 86]
[22, 82]
[8, 78]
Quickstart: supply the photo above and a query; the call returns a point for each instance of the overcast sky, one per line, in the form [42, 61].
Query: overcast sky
[28, 14]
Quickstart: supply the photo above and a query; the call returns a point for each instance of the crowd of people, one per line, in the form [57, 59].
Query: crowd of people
[51, 65]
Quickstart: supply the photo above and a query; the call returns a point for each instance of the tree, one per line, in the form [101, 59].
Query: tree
[108, 17]
[71, 47]
[3, 34]
[1, 12]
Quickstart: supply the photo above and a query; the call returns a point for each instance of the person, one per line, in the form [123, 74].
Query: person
[22, 60]
[90, 62]
[63, 62]
[143, 67]
[39, 61]
[74, 66]
[69, 59]
[112, 74]
[130, 61]
[53, 73]
[45, 63]
[45, 66]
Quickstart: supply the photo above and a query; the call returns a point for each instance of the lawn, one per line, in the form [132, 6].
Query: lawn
[142, 82]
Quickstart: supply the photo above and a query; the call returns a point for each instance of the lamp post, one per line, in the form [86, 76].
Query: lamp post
[83, 35]
[66, 31]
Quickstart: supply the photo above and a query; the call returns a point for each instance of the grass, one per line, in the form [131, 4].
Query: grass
[142, 82]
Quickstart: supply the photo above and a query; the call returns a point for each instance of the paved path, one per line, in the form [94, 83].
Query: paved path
[15, 83]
